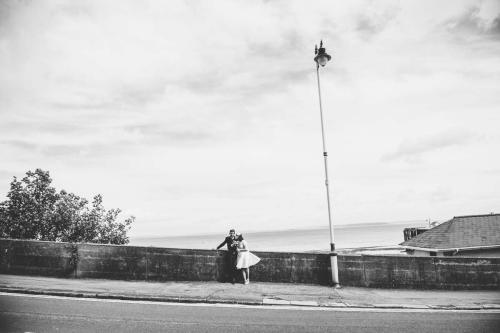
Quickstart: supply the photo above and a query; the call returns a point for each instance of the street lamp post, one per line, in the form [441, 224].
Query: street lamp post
[321, 58]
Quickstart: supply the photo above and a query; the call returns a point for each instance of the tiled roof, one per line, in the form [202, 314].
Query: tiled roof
[460, 232]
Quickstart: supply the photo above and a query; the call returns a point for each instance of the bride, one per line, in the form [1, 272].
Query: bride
[245, 259]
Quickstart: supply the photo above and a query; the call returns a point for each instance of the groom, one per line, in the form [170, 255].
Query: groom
[232, 254]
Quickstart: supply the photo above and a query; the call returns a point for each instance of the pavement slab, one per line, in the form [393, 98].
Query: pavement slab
[256, 293]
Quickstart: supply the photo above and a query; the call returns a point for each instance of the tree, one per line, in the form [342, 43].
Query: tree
[35, 210]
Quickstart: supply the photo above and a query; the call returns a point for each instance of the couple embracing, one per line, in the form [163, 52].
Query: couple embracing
[239, 258]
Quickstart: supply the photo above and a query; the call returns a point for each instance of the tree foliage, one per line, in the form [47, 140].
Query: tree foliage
[35, 210]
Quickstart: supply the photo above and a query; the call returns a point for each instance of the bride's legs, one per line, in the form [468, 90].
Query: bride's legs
[248, 273]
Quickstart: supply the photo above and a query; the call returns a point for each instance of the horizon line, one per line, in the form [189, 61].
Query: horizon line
[317, 227]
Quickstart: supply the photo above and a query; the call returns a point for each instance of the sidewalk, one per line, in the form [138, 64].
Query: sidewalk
[256, 293]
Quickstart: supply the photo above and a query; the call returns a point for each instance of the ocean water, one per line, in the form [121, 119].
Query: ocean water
[304, 240]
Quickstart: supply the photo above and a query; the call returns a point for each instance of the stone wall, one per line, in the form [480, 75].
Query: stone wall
[420, 272]
[38, 258]
[163, 264]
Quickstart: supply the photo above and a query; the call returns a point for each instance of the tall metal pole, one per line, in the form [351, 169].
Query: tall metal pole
[333, 254]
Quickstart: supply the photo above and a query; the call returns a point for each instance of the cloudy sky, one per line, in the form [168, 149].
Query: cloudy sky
[198, 115]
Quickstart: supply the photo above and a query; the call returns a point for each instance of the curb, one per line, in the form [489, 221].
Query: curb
[164, 299]
[264, 301]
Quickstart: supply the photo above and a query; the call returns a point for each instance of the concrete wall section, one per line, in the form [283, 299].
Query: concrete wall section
[37, 258]
[465, 272]
[111, 262]
[420, 272]
[291, 267]
[184, 265]
[148, 263]
[163, 264]
[385, 271]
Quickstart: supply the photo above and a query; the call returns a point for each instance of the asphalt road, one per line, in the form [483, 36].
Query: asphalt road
[24, 313]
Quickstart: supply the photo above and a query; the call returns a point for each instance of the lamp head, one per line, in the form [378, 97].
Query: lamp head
[321, 57]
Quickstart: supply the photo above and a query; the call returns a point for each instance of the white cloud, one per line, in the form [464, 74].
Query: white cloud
[193, 115]
[416, 147]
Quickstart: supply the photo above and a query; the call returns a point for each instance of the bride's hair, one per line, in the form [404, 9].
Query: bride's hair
[240, 237]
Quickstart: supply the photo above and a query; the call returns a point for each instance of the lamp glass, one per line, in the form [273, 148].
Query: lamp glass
[322, 60]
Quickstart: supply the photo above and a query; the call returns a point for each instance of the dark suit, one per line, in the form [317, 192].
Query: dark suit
[231, 257]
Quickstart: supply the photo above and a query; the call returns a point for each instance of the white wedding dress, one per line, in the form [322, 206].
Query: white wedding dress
[245, 257]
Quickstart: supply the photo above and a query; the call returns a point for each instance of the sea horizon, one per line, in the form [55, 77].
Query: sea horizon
[316, 227]
[317, 238]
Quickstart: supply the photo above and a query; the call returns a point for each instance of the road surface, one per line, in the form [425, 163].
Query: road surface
[30, 313]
